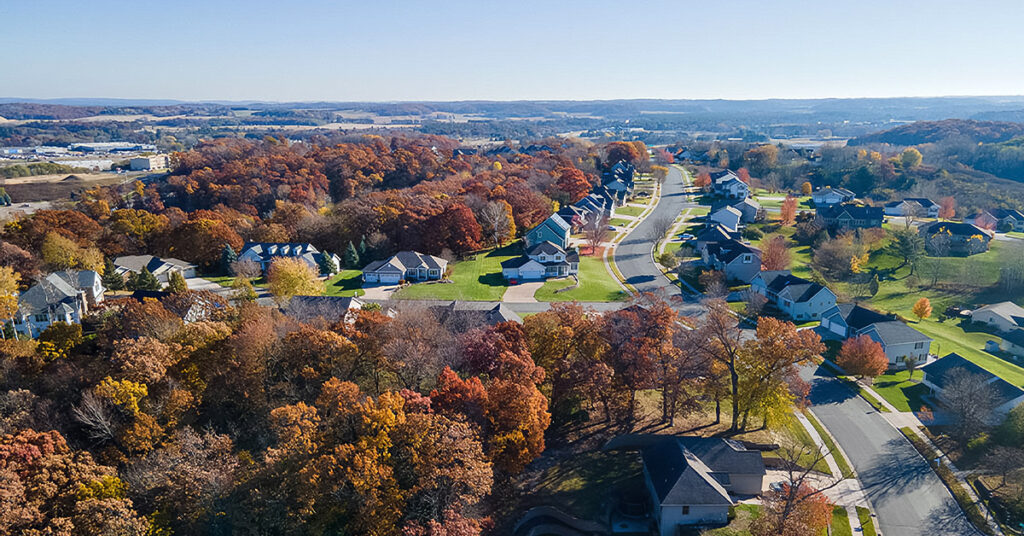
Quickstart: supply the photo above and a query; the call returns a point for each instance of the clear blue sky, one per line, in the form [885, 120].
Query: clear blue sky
[375, 50]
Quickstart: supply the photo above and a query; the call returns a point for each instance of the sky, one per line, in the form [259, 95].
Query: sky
[380, 50]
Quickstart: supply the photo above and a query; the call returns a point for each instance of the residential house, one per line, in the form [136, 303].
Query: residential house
[554, 230]
[944, 238]
[1003, 316]
[899, 341]
[330, 309]
[846, 319]
[596, 204]
[737, 260]
[694, 480]
[714, 233]
[542, 261]
[577, 217]
[840, 217]
[826, 197]
[1013, 343]
[983, 219]
[58, 297]
[462, 316]
[796, 297]
[938, 373]
[1008, 219]
[728, 185]
[161, 268]
[618, 181]
[749, 209]
[727, 217]
[405, 266]
[921, 207]
[265, 253]
[193, 306]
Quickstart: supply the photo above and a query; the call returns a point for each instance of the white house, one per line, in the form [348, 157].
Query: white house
[796, 297]
[831, 196]
[1013, 343]
[58, 297]
[265, 253]
[727, 184]
[161, 268]
[899, 341]
[1003, 316]
[936, 374]
[541, 261]
[405, 265]
[694, 480]
[737, 260]
[727, 217]
[913, 206]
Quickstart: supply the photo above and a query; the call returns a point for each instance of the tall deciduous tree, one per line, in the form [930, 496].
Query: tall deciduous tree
[922, 308]
[775, 253]
[788, 210]
[289, 277]
[721, 342]
[497, 221]
[863, 356]
[947, 207]
[8, 294]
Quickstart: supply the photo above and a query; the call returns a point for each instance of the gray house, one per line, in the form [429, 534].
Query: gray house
[936, 374]
[554, 230]
[541, 261]
[796, 297]
[692, 480]
[899, 341]
[739, 261]
[265, 253]
[846, 319]
[405, 265]
[58, 297]
[1003, 316]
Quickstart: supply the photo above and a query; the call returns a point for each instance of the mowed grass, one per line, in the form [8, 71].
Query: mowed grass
[619, 222]
[866, 522]
[740, 524]
[345, 283]
[596, 284]
[840, 522]
[898, 389]
[630, 210]
[475, 279]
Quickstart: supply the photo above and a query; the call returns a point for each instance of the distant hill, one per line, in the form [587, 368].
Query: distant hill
[932, 131]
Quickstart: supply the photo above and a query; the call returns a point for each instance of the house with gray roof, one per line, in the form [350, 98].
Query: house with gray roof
[845, 319]
[554, 230]
[944, 238]
[462, 316]
[826, 197]
[405, 266]
[694, 480]
[1013, 343]
[1003, 316]
[737, 260]
[843, 217]
[161, 268]
[938, 373]
[796, 297]
[727, 216]
[58, 297]
[328, 308]
[541, 261]
[921, 207]
[728, 185]
[714, 233]
[1008, 219]
[265, 253]
[899, 341]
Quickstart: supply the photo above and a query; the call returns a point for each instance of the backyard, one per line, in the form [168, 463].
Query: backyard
[475, 279]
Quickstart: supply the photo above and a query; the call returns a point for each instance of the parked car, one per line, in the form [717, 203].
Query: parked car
[687, 236]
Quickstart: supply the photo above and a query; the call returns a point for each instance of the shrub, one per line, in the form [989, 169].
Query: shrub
[751, 233]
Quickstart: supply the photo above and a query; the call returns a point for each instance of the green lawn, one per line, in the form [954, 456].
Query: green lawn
[619, 222]
[866, 522]
[840, 522]
[596, 284]
[226, 280]
[792, 428]
[630, 210]
[345, 283]
[476, 279]
[900, 391]
[745, 514]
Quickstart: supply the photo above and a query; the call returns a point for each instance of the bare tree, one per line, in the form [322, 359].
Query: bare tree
[754, 303]
[496, 221]
[971, 401]
[910, 362]
[596, 231]
[97, 416]
[246, 268]
[803, 488]
[912, 212]
[659, 228]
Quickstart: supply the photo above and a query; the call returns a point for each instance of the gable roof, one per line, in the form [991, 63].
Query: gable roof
[855, 316]
[1003, 213]
[953, 227]
[717, 232]
[329, 308]
[843, 192]
[1015, 336]
[800, 289]
[938, 372]
[555, 223]
[894, 332]
[546, 247]
[1008, 310]
[406, 260]
[50, 292]
[266, 250]
[679, 477]
[155, 265]
[923, 201]
[725, 455]
[857, 212]
[727, 251]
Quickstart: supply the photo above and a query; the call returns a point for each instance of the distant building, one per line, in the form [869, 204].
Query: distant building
[983, 219]
[111, 147]
[1003, 316]
[841, 217]
[944, 238]
[265, 253]
[737, 260]
[937, 374]
[913, 206]
[407, 266]
[161, 268]
[1008, 219]
[826, 197]
[796, 297]
[148, 163]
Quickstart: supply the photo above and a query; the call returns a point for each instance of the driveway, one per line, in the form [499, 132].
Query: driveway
[198, 283]
[522, 293]
[379, 291]
[908, 497]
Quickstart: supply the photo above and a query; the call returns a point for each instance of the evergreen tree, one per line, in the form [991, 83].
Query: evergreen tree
[227, 258]
[144, 280]
[362, 247]
[351, 256]
[327, 264]
[111, 279]
[176, 283]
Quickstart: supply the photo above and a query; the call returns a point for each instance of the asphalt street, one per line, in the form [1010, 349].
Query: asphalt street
[908, 497]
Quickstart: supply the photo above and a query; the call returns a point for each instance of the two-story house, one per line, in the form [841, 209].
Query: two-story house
[554, 230]
[846, 319]
[541, 261]
[58, 297]
[737, 260]
[265, 253]
[728, 185]
[899, 341]
[796, 297]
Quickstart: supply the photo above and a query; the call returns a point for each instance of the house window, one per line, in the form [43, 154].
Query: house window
[918, 346]
[433, 272]
[543, 258]
[686, 510]
[42, 317]
[747, 258]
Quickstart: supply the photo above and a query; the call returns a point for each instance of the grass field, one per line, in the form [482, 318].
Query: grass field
[619, 222]
[596, 284]
[475, 279]
[345, 283]
[745, 514]
[840, 522]
[630, 210]
[897, 389]
[867, 524]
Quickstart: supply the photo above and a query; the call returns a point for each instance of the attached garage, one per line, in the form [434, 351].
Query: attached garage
[389, 278]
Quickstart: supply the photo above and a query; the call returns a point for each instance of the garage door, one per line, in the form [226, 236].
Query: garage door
[389, 278]
[531, 274]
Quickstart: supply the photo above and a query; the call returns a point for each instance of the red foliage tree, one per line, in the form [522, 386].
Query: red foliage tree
[947, 207]
[744, 174]
[573, 182]
[863, 356]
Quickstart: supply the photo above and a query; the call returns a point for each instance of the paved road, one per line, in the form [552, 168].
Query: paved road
[633, 255]
[908, 497]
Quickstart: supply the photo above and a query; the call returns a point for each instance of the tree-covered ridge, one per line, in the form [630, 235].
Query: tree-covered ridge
[920, 132]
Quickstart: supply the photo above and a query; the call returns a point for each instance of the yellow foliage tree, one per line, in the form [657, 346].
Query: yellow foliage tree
[910, 158]
[496, 166]
[125, 394]
[8, 293]
[922, 309]
[806, 188]
[62, 253]
[289, 277]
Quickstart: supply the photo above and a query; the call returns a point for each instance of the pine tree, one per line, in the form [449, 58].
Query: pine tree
[327, 264]
[351, 256]
[176, 283]
[144, 280]
[111, 279]
[227, 258]
[873, 285]
[362, 247]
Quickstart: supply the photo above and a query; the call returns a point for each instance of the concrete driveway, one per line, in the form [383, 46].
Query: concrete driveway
[379, 291]
[522, 293]
[198, 283]
[908, 497]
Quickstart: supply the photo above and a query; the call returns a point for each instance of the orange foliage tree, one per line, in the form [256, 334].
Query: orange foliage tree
[788, 210]
[775, 253]
[863, 356]
[922, 309]
[947, 207]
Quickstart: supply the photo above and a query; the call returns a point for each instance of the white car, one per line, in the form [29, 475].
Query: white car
[686, 236]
